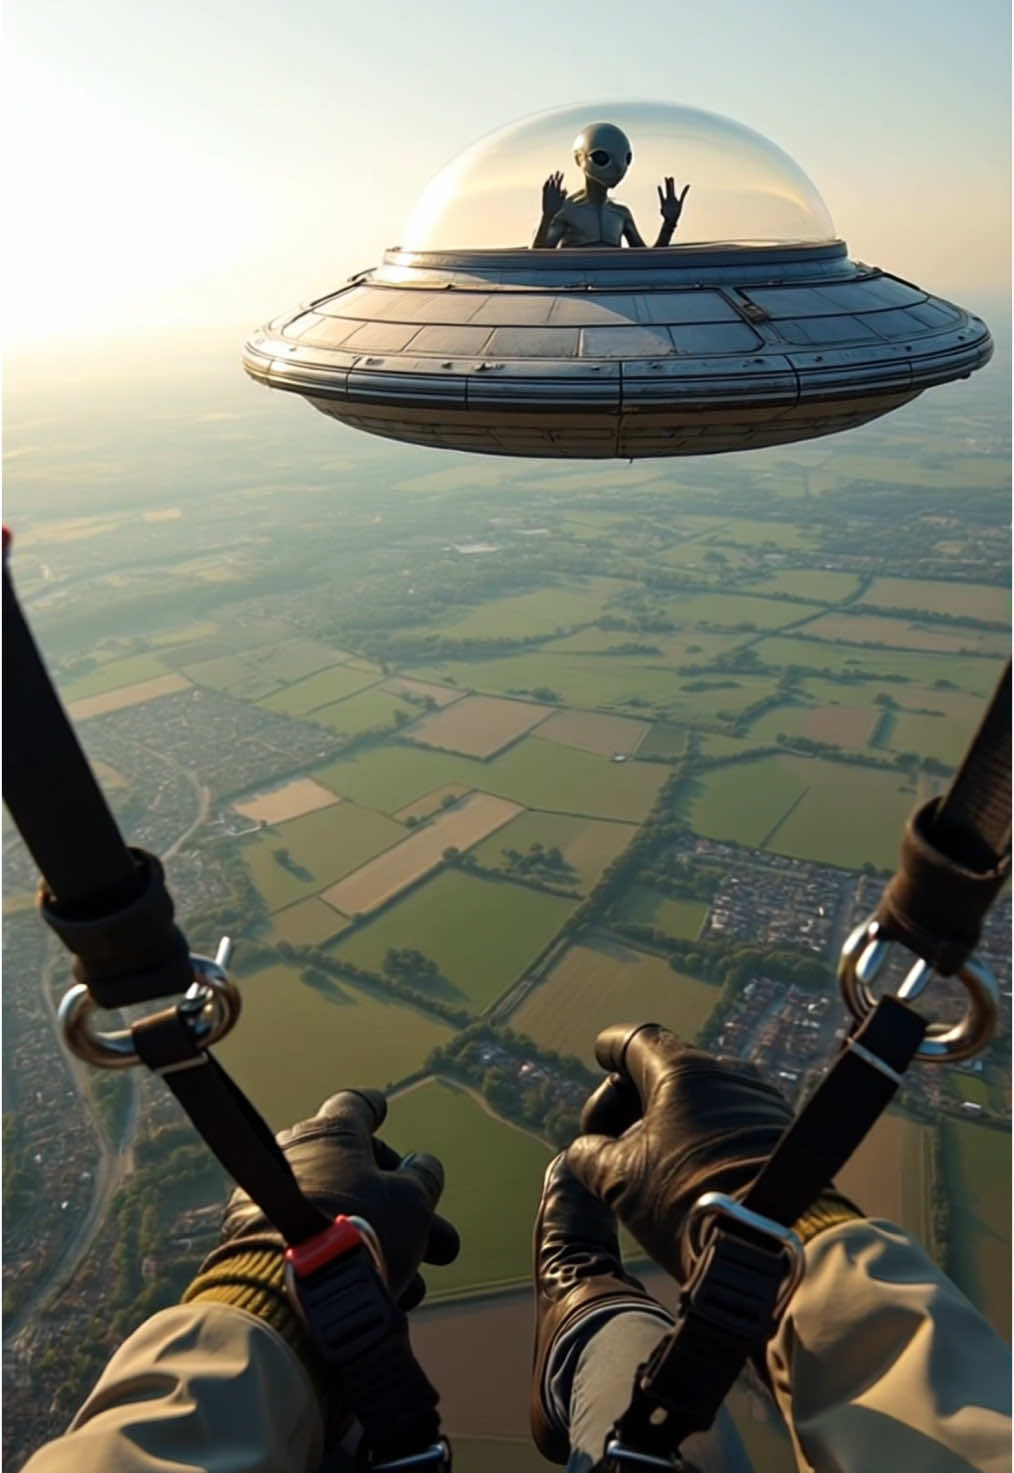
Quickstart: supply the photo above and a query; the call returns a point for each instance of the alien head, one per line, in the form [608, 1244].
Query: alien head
[602, 152]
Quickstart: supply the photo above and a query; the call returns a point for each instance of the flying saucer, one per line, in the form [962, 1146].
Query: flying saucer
[753, 328]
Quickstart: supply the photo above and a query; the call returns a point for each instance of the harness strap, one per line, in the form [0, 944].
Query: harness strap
[956, 850]
[730, 1306]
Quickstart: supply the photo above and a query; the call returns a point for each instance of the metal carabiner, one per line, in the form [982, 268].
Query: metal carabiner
[862, 959]
[209, 1007]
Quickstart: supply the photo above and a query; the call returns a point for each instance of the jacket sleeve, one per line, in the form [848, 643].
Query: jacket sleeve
[198, 1386]
[880, 1362]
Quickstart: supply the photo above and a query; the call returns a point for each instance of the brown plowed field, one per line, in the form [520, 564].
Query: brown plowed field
[478, 726]
[381, 879]
[594, 732]
[127, 695]
[291, 800]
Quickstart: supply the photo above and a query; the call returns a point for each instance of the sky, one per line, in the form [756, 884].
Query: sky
[200, 167]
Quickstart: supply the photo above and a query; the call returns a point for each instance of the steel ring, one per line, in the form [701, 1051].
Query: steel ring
[209, 1007]
[863, 957]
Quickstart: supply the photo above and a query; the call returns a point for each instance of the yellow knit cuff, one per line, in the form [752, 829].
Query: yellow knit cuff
[829, 1209]
[254, 1280]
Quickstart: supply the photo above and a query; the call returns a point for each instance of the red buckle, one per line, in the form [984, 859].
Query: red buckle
[341, 1237]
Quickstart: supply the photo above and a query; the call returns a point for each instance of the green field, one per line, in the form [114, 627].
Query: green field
[606, 982]
[930, 736]
[297, 1044]
[320, 690]
[916, 666]
[310, 922]
[323, 846]
[676, 917]
[609, 681]
[822, 586]
[494, 1176]
[846, 726]
[535, 773]
[744, 533]
[976, 1163]
[691, 647]
[962, 600]
[526, 614]
[730, 610]
[129, 671]
[857, 627]
[587, 844]
[832, 812]
[482, 934]
[241, 676]
[370, 710]
[663, 740]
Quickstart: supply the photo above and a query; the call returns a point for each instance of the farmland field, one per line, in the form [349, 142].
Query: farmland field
[976, 1163]
[370, 710]
[291, 800]
[482, 934]
[903, 634]
[292, 860]
[847, 726]
[126, 695]
[533, 773]
[381, 879]
[688, 647]
[961, 600]
[849, 814]
[663, 740]
[744, 533]
[604, 982]
[527, 614]
[587, 844]
[131, 670]
[674, 916]
[320, 690]
[298, 1044]
[478, 726]
[822, 586]
[494, 1173]
[307, 923]
[977, 675]
[931, 736]
[238, 675]
[431, 802]
[594, 732]
[577, 680]
[726, 610]
[442, 695]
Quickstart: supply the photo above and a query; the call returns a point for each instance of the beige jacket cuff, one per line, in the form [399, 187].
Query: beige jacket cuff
[880, 1361]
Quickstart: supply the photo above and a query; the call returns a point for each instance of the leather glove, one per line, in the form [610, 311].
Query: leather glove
[342, 1167]
[671, 1123]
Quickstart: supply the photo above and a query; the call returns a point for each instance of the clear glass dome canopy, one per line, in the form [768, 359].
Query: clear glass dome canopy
[743, 188]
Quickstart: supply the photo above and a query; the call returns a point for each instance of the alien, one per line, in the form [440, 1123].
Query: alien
[590, 218]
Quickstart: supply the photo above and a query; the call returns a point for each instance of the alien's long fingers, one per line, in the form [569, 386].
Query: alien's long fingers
[684, 192]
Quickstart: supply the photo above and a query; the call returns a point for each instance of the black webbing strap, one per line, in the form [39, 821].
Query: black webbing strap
[728, 1309]
[361, 1333]
[48, 786]
[229, 1124]
[956, 850]
[836, 1119]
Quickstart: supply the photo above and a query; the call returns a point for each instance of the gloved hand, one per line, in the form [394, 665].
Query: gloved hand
[669, 1124]
[343, 1168]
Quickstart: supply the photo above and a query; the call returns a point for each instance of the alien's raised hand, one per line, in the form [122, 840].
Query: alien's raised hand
[554, 196]
[670, 203]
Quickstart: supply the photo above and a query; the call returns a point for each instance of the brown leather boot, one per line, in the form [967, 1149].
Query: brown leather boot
[577, 1270]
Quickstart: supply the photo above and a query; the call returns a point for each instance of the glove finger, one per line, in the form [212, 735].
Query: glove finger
[589, 1160]
[385, 1156]
[427, 1171]
[413, 1293]
[350, 1116]
[643, 1053]
[443, 1245]
[613, 1107]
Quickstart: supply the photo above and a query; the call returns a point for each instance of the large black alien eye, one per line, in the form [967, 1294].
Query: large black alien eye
[600, 157]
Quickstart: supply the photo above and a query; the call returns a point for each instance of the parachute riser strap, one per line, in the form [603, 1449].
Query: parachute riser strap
[956, 852]
[352, 1321]
[731, 1305]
